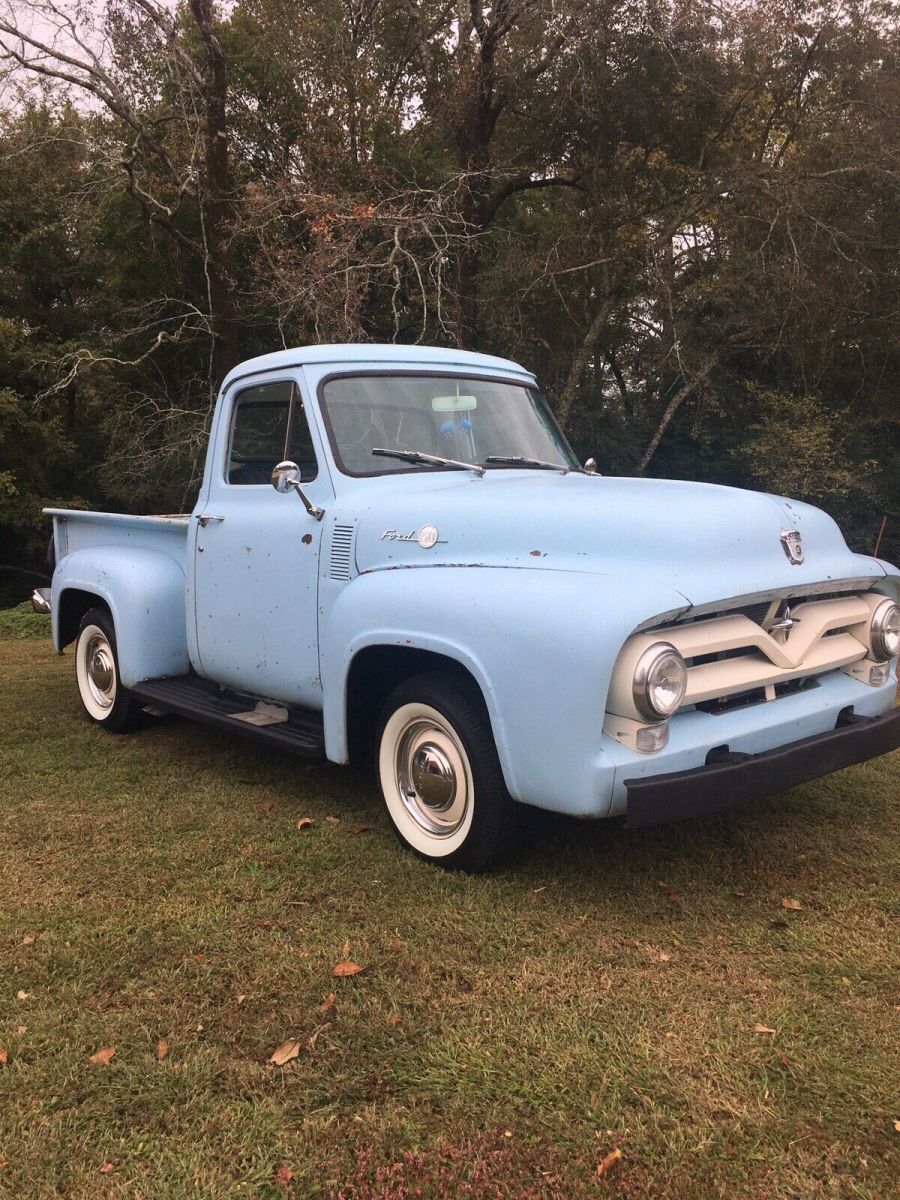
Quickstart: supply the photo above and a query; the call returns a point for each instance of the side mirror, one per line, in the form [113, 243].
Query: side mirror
[286, 478]
[590, 466]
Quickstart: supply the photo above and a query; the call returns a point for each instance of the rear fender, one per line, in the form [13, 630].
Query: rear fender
[144, 592]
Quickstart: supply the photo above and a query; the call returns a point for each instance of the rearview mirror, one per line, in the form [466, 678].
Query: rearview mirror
[286, 478]
[453, 403]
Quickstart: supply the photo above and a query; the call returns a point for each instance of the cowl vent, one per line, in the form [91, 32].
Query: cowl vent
[342, 552]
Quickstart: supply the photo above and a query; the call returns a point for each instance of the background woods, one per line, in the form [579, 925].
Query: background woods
[684, 216]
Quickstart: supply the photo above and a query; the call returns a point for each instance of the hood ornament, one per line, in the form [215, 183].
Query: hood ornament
[792, 544]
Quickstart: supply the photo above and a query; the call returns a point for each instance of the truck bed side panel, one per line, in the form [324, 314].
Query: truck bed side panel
[144, 590]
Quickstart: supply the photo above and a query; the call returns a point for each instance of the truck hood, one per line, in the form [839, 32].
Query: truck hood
[702, 542]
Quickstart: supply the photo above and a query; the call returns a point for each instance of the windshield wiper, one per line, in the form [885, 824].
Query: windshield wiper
[516, 460]
[432, 460]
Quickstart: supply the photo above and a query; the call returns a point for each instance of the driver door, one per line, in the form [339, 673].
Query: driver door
[256, 553]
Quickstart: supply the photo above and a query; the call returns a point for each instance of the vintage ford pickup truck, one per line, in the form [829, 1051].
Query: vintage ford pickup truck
[433, 582]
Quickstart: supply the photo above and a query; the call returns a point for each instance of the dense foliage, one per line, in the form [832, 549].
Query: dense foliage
[683, 215]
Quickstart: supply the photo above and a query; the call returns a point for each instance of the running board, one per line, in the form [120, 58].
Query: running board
[200, 700]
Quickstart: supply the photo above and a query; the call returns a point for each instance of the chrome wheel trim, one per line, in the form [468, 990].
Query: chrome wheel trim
[431, 777]
[426, 780]
[95, 667]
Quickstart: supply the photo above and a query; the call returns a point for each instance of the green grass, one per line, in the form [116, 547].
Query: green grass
[22, 622]
[508, 1030]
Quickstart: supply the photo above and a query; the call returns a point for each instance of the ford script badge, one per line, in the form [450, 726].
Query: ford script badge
[427, 536]
[793, 546]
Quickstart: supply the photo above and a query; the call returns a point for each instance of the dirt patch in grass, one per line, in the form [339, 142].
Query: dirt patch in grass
[602, 991]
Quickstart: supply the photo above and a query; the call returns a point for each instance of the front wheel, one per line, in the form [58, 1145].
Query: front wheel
[440, 774]
[104, 698]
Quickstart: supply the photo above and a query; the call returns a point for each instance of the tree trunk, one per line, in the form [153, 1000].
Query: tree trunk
[217, 204]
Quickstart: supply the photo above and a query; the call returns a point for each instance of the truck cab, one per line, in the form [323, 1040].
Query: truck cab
[396, 557]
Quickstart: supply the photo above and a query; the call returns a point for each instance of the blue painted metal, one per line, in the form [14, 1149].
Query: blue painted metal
[534, 584]
[144, 590]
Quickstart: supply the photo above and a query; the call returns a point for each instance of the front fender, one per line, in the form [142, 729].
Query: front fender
[144, 591]
[540, 644]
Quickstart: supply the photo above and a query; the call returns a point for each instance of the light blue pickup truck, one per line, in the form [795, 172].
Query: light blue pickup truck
[395, 555]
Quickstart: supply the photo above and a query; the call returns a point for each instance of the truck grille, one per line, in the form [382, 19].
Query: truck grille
[738, 654]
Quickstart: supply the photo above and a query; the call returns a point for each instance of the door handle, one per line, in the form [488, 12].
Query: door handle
[207, 519]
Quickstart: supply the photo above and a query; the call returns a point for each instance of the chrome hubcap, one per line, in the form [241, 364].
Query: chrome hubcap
[101, 671]
[431, 778]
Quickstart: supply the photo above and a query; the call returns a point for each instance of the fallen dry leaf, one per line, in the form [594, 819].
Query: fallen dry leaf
[397, 946]
[28, 939]
[4, 1056]
[263, 924]
[283, 1176]
[347, 968]
[102, 1057]
[346, 948]
[354, 829]
[794, 905]
[266, 806]
[762, 1029]
[316, 1035]
[785, 1061]
[107, 1169]
[240, 998]
[162, 1050]
[285, 1052]
[333, 820]
[20, 995]
[670, 894]
[663, 956]
[22, 1030]
[304, 822]
[897, 1126]
[606, 1164]
[328, 1003]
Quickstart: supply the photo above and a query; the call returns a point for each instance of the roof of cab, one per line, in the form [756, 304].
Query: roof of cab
[371, 352]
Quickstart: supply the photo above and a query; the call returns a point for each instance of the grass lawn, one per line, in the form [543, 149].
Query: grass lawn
[603, 992]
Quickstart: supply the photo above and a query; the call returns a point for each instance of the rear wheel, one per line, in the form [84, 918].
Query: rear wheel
[440, 775]
[104, 698]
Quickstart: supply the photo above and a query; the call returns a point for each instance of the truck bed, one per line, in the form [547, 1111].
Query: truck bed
[75, 529]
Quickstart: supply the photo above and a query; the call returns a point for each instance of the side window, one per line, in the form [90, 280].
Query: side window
[268, 425]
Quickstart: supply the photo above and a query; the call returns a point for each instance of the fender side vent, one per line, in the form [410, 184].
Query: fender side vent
[341, 552]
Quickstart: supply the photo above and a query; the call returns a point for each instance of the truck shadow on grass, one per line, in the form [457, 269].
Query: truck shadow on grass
[764, 837]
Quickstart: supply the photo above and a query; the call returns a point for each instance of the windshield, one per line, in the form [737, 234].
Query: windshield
[452, 417]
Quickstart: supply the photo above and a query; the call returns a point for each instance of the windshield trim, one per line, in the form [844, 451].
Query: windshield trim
[401, 369]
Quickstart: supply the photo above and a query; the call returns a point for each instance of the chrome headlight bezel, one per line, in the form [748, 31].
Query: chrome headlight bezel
[646, 673]
[884, 641]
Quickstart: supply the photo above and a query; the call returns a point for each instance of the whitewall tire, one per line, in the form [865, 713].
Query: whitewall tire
[104, 698]
[440, 775]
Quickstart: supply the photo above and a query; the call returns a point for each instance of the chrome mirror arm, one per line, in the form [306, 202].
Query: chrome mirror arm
[312, 509]
[286, 476]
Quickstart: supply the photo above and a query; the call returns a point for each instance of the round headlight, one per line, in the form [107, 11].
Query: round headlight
[660, 681]
[884, 632]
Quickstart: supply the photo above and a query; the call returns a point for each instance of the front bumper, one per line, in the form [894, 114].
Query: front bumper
[729, 779]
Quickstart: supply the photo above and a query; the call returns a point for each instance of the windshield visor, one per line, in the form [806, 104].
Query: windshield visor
[449, 416]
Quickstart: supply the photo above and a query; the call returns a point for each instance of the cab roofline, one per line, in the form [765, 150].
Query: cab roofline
[357, 354]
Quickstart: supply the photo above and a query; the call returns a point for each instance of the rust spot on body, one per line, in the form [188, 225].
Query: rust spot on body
[535, 554]
[306, 539]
